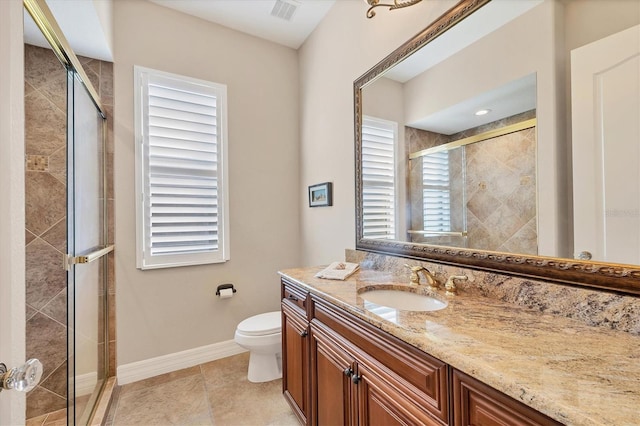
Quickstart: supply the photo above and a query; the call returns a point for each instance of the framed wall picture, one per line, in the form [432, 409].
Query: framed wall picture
[320, 195]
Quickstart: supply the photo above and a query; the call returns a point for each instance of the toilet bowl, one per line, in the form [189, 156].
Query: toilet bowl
[262, 336]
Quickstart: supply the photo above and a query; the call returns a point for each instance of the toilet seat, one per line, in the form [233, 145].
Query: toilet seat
[261, 325]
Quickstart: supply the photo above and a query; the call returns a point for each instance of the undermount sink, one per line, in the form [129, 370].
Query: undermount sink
[403, 300]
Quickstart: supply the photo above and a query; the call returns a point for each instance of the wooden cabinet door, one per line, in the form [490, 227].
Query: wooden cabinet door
[295, 360]
[331, 389]
[477, 404]
[382, 403]
[420, 378]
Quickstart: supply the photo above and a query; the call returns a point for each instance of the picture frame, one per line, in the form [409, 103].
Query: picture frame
[321, 195]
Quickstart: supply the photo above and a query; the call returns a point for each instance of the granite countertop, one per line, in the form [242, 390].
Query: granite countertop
[574, 373]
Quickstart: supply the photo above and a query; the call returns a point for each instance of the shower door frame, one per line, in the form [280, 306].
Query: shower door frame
[12, 253]
[47, 24]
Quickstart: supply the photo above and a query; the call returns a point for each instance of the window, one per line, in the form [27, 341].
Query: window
[181, 176]
[436, 192]
[378, 178]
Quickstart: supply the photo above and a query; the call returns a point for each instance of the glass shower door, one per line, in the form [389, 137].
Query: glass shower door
[87, 239]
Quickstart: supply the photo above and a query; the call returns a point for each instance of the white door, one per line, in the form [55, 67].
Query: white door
[605, 102]
[12, 287]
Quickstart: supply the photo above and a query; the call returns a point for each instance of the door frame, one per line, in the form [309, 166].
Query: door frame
[589, 61]
[12, 208]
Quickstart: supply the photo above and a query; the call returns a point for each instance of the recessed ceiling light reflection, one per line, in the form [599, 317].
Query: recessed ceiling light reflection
[483, 111]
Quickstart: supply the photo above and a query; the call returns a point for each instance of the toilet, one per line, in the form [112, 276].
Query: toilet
[262, 336]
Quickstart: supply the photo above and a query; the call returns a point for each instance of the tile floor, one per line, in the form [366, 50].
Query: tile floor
[216, 393]
[57, 418]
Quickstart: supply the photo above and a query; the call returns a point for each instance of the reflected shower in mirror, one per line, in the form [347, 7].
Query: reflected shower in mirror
[471, 172]
[478, 191]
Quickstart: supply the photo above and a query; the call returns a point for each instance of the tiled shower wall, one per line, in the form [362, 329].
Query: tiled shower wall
[500, 187]
[45, 235]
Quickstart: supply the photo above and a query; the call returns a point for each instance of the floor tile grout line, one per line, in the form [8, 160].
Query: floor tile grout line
[206, 393]
[210, 378]
[155, 385]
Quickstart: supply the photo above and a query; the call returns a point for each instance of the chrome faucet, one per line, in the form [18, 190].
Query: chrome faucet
[450, 285]
[415, 278]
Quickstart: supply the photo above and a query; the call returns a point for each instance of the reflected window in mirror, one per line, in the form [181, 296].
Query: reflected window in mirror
[437, 198]
[379, 139]
[436, 192]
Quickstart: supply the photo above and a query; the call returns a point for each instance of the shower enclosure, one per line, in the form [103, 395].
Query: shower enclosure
[465, 185]
[87, 249]
[66, 217]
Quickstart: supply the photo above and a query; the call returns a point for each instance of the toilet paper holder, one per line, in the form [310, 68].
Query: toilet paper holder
[224, 287]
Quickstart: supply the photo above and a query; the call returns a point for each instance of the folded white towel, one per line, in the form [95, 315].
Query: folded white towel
[338, 271]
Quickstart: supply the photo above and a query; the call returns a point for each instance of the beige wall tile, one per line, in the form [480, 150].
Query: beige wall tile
[45, 276]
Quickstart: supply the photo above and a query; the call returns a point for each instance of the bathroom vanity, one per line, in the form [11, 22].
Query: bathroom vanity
[533, 340]
[477, 361]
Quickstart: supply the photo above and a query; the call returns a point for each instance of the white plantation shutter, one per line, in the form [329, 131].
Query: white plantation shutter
[436, 192]
[378, 178]
[180, 170]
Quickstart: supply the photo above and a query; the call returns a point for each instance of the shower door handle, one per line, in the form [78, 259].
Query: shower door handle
[74, 260]
[23, 378]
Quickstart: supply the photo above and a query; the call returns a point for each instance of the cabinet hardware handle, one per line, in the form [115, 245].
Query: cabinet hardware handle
[304, 333]
[355, 379]
[292, 297]
[348, 371]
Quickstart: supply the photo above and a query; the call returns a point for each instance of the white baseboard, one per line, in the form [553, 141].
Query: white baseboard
[140, 370]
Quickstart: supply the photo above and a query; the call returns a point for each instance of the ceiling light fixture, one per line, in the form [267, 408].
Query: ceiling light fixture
[483, 112]
[397, 4]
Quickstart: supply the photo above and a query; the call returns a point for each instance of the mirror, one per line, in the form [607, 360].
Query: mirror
[509, 190]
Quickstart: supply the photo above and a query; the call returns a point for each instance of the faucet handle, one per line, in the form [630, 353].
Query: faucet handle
[415, 268]
[450, 285]
[414, 278]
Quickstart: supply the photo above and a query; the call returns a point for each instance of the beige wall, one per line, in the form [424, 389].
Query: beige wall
[589, 20]
[169, 310]
[344, 46]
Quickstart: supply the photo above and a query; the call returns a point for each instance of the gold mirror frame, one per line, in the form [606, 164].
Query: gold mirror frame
[607, 276]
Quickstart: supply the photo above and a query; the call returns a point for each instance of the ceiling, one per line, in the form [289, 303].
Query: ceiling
[511, 98]
[88, 29]
[261, 18]
[85, 25]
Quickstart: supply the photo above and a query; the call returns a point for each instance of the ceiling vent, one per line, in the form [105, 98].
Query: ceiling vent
[285, 9]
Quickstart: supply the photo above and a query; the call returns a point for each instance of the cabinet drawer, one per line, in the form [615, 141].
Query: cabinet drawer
[296, 296]
[480, 405]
